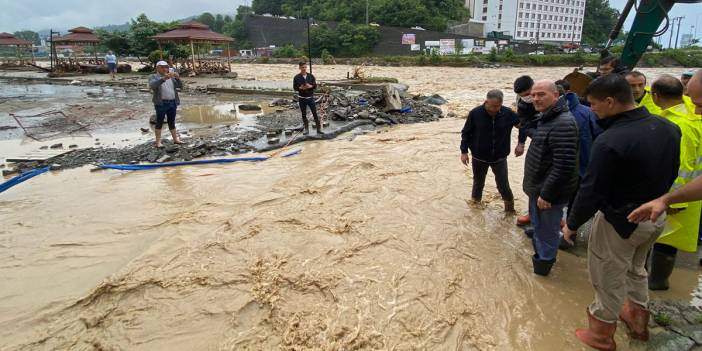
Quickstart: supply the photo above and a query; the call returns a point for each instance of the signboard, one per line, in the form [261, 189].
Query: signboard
[430, 43]
[503, 42]
[415, 47]
[447, 46]
[408, 39]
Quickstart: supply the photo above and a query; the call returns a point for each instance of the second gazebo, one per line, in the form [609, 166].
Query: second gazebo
[75, 42]
[196, 35]
[11, 51]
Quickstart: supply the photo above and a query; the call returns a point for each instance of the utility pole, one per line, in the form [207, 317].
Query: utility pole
[538, 32]
[672, 29]
[677, 34]
[367, 12]
[309, 43]
[52, 48]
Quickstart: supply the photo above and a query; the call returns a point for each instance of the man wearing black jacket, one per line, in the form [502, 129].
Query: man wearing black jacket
[634, 160]
[487, 133]
[527, 118]
[550, 172]
[304, 83]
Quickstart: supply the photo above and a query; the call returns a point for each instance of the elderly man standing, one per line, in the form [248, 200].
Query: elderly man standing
[550, 171]
[488, 133]
[633, 161]
[164, 84]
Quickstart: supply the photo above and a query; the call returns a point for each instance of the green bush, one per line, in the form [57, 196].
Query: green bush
[492, 56]
[287, 51]
[327, 58]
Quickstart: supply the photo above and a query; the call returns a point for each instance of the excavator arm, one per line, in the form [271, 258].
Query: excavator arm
[650, 14]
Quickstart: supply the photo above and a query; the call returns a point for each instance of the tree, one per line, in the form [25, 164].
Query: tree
[237, 28]
[599, 20]
[29, 36]
[346, 40]
[267, 6]
[141, 31]
[117, 41]
[207, 19]
[218, 24]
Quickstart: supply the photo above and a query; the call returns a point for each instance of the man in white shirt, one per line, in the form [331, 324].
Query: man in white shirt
[164, 85]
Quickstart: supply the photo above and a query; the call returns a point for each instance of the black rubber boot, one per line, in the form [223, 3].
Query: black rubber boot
[662, 265]
[509, 206]
[306, 129]
[541, 267]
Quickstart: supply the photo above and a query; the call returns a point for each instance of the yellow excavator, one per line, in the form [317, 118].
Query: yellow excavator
[650, 14]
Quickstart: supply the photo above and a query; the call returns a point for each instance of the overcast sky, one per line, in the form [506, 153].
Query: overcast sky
[64, 14]
[45, 14]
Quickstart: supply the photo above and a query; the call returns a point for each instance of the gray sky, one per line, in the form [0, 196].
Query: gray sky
[63, 14]
[45, 14]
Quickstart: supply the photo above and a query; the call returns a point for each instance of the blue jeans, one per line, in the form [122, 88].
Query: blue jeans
[167, 109]
[547, 229]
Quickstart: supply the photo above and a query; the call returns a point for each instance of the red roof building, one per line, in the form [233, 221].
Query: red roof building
[7, 39]
[78, 35]
[21, 48]
[195, 33]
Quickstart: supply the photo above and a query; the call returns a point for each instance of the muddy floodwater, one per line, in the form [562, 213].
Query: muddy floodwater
[364, 242]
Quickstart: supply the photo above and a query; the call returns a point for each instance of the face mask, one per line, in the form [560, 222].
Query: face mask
[527, 99]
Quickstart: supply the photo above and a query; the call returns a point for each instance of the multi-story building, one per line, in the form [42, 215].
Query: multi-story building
[532, 20]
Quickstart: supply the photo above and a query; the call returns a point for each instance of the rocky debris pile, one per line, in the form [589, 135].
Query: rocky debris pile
[225, 145]
[675, 326]
[383, 106]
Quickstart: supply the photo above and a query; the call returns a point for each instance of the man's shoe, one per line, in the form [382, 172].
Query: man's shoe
[541, 267]
[306, 131]
[523, 220]
[599, 335]
[636, 318]
[662, 265]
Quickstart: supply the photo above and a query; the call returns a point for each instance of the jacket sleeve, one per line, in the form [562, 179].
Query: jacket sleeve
[177, 83]
[155, 81]
[563, 142]
[466, 133]
[313, 81]
[594, 187]
[296, 84]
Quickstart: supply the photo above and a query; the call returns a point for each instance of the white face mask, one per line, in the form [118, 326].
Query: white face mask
[527, 99]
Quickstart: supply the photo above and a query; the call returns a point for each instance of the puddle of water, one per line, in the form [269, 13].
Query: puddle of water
[224, 113]
[12, 90]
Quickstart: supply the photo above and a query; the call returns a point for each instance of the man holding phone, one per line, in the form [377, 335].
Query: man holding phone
[164, 84]
[304, 83]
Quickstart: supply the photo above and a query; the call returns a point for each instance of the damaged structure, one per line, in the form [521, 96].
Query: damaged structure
[75, 44]
[197, 36]
[15, 52]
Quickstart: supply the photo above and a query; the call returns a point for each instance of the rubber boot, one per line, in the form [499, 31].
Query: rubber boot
[636, 318]
[318, 125]
[599, 335]
[662, 265]
[509, 206]
[306, 130]
[542, 267]
[523, 220]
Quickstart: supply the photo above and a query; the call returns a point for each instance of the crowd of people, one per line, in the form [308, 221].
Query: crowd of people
[626, 156]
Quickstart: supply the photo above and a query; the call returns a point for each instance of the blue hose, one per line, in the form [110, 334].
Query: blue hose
[22, 177]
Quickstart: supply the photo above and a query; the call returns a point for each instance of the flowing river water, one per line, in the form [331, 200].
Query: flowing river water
[358, 243]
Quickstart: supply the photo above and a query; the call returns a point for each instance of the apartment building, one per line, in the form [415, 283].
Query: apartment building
[532, 20]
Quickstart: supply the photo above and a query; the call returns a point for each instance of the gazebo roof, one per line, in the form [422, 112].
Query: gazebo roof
[78, 35]
[9, 39]
[192, 31]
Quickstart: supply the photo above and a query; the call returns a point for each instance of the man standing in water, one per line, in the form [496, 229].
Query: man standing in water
[304, 83]
[633, 161]
[527, 114]
[488, 133]
[164, 84]
[111, 61]
[550, 172]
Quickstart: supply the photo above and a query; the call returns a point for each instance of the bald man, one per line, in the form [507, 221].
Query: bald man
[550, 171]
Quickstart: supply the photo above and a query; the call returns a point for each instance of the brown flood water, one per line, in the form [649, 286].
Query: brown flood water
[363, 244]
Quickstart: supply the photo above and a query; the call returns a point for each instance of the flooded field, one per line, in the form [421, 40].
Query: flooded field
[355, 244]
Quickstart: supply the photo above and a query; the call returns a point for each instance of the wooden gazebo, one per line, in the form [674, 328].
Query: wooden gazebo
[9, 41]
[78, 39]
[197, 34]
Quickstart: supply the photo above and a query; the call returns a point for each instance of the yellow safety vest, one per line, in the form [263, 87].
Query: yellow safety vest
[648, 103]
[682, 228]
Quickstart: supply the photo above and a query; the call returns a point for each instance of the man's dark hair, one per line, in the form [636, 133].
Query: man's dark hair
[614, 86]
[302, 63]
[563, 84]
[523, 84]
[635, 74]
[610, 60]
[668, 87]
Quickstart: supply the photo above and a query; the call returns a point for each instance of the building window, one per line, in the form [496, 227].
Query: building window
[499, 17]
[500, 7]
[521, 5]
[499, 25]
[484, 18]
[485, 2]
[520, 15]
[528, 6]
[485, 9]
[531, 34]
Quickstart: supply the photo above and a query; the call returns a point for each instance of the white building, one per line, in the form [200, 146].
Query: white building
[536, 20]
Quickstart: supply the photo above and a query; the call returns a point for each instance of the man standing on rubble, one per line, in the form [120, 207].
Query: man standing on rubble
[304, 83]
[488, 133]
[164, 86]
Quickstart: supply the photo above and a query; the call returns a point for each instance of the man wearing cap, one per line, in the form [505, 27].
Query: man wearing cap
[164, 84]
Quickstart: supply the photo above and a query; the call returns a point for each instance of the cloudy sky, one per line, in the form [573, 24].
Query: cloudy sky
[63, 14]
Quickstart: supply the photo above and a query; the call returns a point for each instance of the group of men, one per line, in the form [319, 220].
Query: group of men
[599, 157]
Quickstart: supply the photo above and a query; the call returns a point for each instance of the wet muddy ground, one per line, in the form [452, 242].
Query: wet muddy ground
[357, 243]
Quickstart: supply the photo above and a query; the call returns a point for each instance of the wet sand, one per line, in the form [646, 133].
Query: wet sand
[361, 244]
